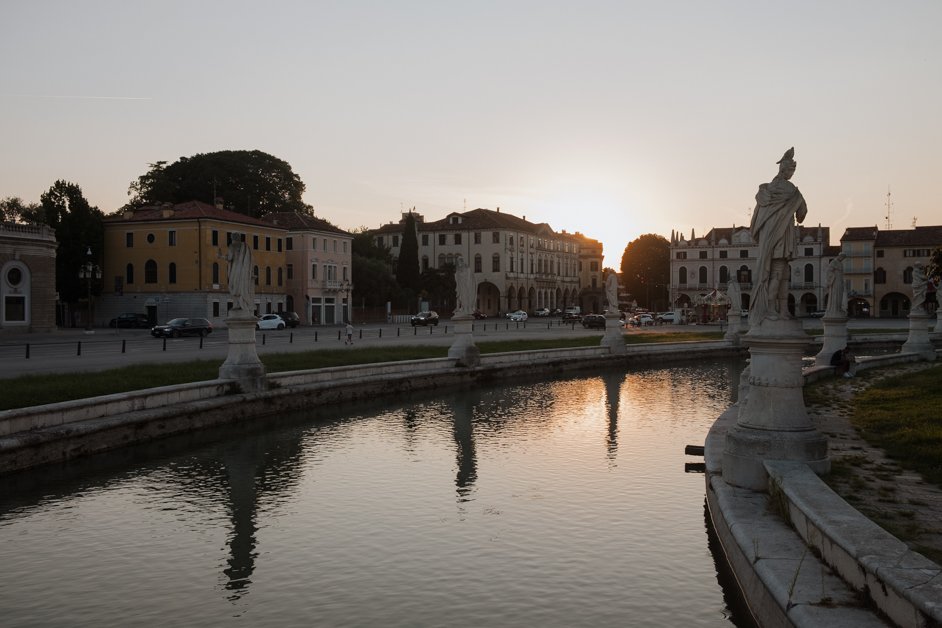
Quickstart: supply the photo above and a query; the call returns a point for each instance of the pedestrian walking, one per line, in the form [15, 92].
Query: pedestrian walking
[349, 340]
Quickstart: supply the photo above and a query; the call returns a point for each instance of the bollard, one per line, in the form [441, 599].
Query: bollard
[291, 338]
[361, 334]
[201, 341]
[338, 334]
[397, 332]
[79, 348]
[415, 331]
[124, 345]
[380, 332]
[27, 350]
[263, 339]
[165, 343]
[315, 335]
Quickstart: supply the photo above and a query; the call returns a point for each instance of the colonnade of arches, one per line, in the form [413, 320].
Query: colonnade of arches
[530, 299]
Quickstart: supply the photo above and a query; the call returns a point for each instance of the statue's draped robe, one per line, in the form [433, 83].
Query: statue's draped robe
[773, 227]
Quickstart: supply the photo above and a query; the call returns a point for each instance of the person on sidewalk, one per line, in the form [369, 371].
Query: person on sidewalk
[349, 340]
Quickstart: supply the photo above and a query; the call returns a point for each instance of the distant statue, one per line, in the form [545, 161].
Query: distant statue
[241, 286]
[778, 204]
[837, 305]
[465, 289]
[920, 284]
[734, 293]
[611, 292]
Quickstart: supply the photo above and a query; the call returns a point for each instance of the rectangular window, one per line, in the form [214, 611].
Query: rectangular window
[495, 237]
[215, 309]
[441, 239]
[335, 246]
[703, 254]
[879, 252]
[495, 263]
[681, 255]
[215, 237]
[129, 240]
[743, 253]
[477, 237]
[228, 238]
[289, 243]
[457, 238]
[379, 240]
[290, 269]
[344, 246]
[171, 238]
[267, 243]
[395, 241]
[724, 254]
[324, 242]
[314, 272]
[424, 239]
[279, 245]
[255, 242]
[809, 252]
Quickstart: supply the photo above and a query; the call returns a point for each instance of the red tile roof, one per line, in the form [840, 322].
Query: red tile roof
[295, 221]
[191, 210]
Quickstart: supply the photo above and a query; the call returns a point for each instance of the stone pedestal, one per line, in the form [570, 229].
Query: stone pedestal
[918, 341]
[613, 338]
[773, 423]
[242, 363]
[734, 331]
[463, 350]
[835, 339]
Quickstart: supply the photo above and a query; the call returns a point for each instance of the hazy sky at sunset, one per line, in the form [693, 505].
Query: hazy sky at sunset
[611, 118]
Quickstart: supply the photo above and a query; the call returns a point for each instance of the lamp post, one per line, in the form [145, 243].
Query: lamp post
[347, 289]
[89, 271]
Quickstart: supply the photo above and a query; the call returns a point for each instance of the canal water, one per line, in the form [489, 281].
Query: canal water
[559, 502]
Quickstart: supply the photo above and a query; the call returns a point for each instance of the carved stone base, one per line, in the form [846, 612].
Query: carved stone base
[613, 338]
[734, 331]
[835, 339]
[463, 350]
[918, 341]
[773, 423]
[242, 363]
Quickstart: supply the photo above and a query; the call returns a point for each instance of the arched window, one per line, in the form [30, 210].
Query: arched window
[724, 274]
[495, 263]
[809, 273]
[702, 276]
[879, 276]
[477, 263]
[441, 260]
[268, 275]
[745, 275]
[908, 275]
[129, 274]
[215, 273]
[172, 273]
[150, 271]
[682, 279]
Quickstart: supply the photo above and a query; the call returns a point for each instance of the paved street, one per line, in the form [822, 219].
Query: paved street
[74, 350]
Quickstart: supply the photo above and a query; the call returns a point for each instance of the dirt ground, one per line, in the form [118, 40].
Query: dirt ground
[883, 489]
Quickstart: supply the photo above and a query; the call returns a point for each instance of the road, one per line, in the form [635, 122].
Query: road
[76, 351]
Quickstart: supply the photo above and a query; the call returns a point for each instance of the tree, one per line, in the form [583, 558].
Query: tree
[249, 182]
[645, 270]
[79, 228]
[438, 286]
[13, 209]
[407, 269]
[373, 281]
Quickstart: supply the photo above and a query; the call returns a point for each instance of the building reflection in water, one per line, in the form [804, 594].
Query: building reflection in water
[463, 412]
[613, 382]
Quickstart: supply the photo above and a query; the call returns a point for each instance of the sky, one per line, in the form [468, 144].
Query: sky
[613, 119]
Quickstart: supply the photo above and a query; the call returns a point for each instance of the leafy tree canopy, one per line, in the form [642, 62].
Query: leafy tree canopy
[645, 270]
[13, 209]
[365, 245]
[249, 182]
[79, 228]
[934, 267]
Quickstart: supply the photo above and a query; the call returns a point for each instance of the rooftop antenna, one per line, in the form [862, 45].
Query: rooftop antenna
[889, 209]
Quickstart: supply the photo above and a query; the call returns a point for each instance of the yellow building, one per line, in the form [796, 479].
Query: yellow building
[169, 261]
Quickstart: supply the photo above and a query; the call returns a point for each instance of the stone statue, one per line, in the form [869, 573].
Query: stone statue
[241, 286]
[734, 293]
[920, 285]
[837, 305]
[611, 292]
[465, 289]
[778, 204]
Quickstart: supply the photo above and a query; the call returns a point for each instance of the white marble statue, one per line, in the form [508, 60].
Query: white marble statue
[611, 292]
[778, 204]
[241, 285]
[464, 289]
[837, 303]
[734, 292]
[920, 284]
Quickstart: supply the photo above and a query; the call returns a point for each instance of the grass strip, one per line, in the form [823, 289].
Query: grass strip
[901, 415]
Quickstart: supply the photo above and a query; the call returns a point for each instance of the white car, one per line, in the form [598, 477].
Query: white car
[543, 311]
[518, 317]
[270, 321]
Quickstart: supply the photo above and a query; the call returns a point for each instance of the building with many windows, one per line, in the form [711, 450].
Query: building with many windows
[516, 264]
[169, 261]
[878, 267]
[700, 266]
[318, 268]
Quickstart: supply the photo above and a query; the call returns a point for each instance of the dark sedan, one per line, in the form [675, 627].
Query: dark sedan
[182, 327]
[130, 319]
[425, 319]
[593, 321]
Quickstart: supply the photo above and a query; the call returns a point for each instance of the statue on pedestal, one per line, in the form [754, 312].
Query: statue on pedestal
[778, 205]
[464, 289]
[611, 292]
[734, 293]
[241, 286]
[837, 306]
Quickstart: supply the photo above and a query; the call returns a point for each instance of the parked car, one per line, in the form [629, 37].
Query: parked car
[517, 317]
[593, 321]
[478, 314]
[130, 319]
[641, 320]
[571, 317]
[291, 319]
[543, 311]
[556, 312]
[667, 317]
[182, 327]
[270, 321]
[818, 313]
[425, 319]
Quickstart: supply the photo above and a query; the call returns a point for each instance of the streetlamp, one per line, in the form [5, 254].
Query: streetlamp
[89, 271]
